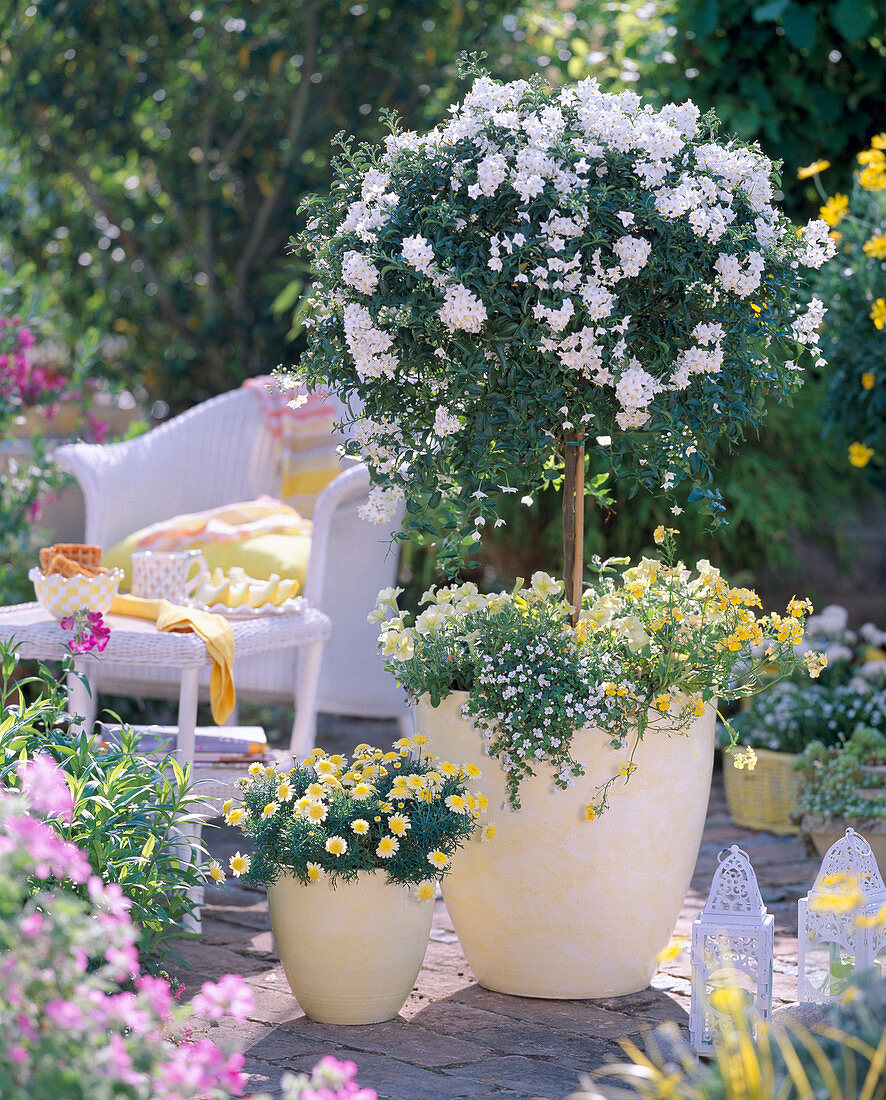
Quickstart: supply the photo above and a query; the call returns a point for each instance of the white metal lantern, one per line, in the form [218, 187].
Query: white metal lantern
[839, 936]
[732, 944]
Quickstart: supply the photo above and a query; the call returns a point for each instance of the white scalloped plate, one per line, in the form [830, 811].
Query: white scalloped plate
[288, 607]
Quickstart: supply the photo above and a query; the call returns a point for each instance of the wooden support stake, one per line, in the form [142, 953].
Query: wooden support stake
[573, 520]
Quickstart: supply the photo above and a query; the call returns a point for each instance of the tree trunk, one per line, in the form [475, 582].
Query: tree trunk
[574, 520]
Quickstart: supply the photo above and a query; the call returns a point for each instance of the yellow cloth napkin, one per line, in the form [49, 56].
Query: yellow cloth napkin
[214, 630]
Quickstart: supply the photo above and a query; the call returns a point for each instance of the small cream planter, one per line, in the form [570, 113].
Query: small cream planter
[558, 906]
[351, 955]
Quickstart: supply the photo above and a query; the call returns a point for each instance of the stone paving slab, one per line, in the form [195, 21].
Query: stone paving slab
[453, 1039]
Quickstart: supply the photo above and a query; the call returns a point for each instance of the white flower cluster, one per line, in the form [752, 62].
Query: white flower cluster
[491, 173]
[382, 503]
[373, 210]
[805, 327]
[378, 441]
[635, 391]
[633, 253]
[817, 244]
[417, 252]
[359, 272]
[445, 423]
[741, 278]
[370, 346]
[462, 310]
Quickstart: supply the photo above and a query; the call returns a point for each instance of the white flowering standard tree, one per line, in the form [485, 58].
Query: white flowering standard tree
[547, 271]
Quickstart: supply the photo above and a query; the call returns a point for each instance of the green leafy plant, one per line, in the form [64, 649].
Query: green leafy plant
[654, 646]
[402, 812]
[840, 781]
[128, 809]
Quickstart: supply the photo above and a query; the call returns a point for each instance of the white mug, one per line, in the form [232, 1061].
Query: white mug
[163, 575]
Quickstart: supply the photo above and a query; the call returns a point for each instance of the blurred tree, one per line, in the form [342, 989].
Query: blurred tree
[154, 155]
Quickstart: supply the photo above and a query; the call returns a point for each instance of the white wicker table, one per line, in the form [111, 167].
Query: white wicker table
[140, 644]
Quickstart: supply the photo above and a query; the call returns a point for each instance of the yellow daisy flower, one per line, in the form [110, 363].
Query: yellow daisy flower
[316, 812]
[215, 871]
[472, 770]
[448, 769]
[270, 809]
[234, 817]
[315, 871]
[361, 791]
[398, 824]
[284, 791]
[438, 859]
[239, 864]
[226, 806]
[860, 455]
[812, 169]
[336, 845]
[386, 807]
[387, 846]
[324, 767]
[425, 891]
[456, 803]
[360, 826]
[337, 759]
[256, 768]
[419, 739]
[835, 209]
[315, 790]
[404, 743]
[270, 770]
[876, 246]
[415, 781]
[488, 831]
[482, 802]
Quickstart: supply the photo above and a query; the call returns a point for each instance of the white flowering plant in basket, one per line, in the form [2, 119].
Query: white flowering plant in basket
[546, 269]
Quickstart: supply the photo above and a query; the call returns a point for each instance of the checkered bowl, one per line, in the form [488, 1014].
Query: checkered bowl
[64, 595]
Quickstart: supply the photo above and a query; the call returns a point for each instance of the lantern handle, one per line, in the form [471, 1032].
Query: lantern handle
[733, 849]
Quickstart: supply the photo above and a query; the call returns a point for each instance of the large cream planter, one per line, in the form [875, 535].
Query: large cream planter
[350, 954]
[558, 906]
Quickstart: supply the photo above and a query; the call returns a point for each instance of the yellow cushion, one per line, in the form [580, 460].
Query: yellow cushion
[259, 555]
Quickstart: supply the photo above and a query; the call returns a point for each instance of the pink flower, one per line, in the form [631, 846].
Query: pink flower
[31, 925]
[17, 1054]
[46, 786]
[230, 996]
[63, 1014]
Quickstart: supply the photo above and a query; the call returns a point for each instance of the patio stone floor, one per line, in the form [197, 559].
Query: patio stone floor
[454, 1039]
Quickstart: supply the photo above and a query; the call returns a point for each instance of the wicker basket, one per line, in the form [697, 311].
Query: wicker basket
[766, 797]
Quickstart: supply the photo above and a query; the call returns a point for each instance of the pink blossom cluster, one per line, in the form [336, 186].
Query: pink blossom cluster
[90, 631]
[22, 383]
[70, 1024]
[329, 1080]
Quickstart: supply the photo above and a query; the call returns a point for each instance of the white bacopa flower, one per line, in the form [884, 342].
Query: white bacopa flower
[359, 272]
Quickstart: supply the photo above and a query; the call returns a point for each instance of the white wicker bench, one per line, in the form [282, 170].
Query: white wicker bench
[217, 453]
